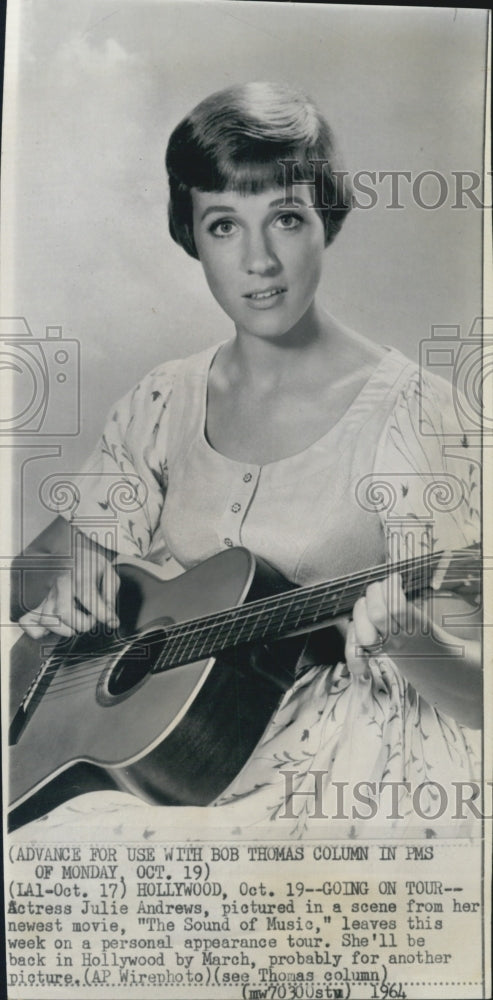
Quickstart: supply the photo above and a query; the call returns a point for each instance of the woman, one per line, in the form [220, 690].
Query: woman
[272, 440]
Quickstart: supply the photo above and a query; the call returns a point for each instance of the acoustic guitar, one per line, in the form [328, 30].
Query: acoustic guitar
[171, 705]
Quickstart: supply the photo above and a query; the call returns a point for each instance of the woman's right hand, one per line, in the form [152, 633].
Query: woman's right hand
[79, 598]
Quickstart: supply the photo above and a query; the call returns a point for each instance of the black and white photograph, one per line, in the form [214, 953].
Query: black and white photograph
[246, 354]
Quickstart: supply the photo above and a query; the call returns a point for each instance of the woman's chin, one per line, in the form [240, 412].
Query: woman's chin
[271, 324]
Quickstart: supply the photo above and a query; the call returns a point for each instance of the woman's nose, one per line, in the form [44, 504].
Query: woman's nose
[259, 256]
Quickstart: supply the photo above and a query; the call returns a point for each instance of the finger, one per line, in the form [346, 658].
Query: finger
[110, 585]
[400, 617]
[37, 625]
[366, 634]
[59, 606]
[78, 619]
[90, 608]
[398, 603]
[57, 614]
[378, 599]
[30, 623]
[356, 658]
[72, 614]
[39, 621]
[61, 628]
[341, 623]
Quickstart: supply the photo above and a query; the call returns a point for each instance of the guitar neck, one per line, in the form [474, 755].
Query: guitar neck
[304, 608]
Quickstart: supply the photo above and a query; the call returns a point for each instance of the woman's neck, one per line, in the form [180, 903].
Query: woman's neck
[276, 360]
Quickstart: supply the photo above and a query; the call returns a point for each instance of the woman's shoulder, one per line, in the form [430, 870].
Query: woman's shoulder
[426, 420]
[409, 384]
[160, 380]
[381, 367]
[423, 392]
[396, 371]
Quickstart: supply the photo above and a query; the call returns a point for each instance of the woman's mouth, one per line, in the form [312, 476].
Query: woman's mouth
[262, 296]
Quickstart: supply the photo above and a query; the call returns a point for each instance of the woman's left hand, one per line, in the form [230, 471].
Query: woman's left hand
[444, 669]
[383, 622]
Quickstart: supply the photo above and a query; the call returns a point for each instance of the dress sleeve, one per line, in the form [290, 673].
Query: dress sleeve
[426, 480]
[118, 496]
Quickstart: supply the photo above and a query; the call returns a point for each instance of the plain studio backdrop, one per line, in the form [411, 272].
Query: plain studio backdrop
[94, 90]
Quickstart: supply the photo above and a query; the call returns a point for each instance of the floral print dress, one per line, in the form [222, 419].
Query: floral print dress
[394, 477]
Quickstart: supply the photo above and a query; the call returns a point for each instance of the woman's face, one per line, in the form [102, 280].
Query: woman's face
[262, 256]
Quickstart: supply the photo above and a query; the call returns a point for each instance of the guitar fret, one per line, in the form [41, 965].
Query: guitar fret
[223, 634]
[242, 634]
[319, 605]
[200, 643]
[339, 603]
[286, 615]
[179, 645]
[295, 614]
[302, 610]
[252, 624]
[320, 608]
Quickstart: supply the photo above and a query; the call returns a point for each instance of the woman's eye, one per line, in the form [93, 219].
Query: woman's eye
[223, 227]
[289, 220]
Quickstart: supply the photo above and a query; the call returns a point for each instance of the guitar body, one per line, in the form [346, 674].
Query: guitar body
[102, 719]
[172, 705]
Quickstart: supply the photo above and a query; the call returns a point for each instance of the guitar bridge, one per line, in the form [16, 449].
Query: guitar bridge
[21, 716]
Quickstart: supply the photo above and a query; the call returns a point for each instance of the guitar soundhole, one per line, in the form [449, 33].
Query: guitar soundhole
[134, 664]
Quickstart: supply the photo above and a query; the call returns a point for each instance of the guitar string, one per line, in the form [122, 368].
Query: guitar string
[175, 634]
[250, 613]
[83, 677]
[298, 594]
[301, 603]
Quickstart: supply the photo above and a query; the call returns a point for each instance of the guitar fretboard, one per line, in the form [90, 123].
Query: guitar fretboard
[300, 609]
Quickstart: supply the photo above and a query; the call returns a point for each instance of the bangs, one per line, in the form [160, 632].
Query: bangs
[260, 168]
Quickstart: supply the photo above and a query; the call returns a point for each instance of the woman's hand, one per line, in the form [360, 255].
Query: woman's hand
[79, 598]
[445, 669]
